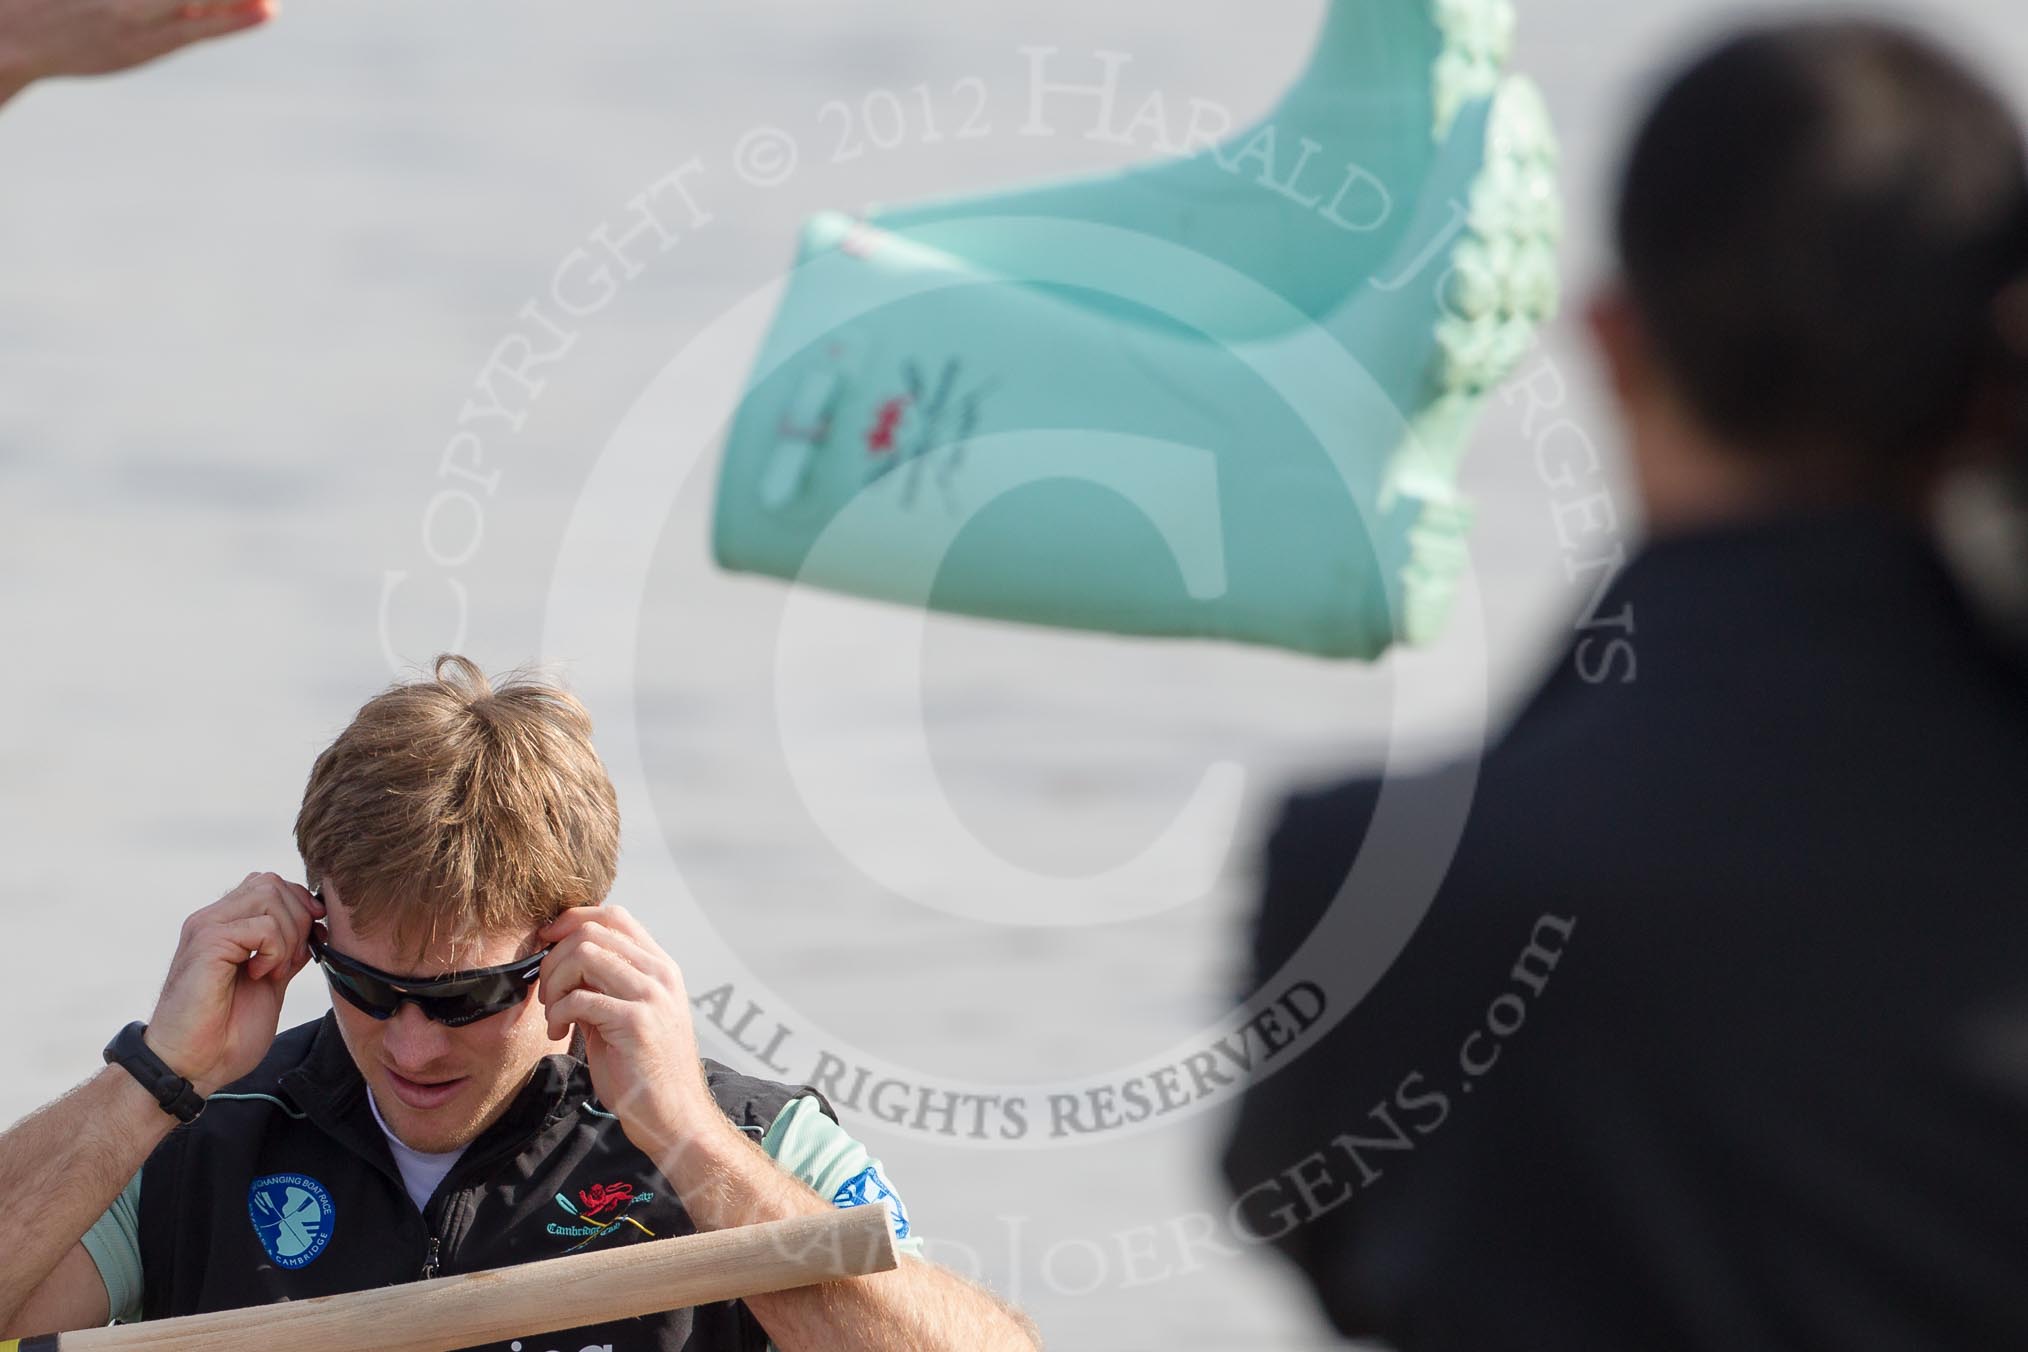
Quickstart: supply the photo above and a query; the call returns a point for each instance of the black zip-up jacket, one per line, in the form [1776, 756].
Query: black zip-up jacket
[284, 1188]
[1715, 1035]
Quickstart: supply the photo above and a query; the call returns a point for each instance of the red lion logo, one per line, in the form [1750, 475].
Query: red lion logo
[603, 1197]
[887, 422]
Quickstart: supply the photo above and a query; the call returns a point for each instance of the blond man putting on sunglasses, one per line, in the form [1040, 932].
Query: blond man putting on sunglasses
[508, 1072]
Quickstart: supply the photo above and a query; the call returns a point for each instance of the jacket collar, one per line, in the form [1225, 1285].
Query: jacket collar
[1829, 599]
[1799, 576]
[332, 1093]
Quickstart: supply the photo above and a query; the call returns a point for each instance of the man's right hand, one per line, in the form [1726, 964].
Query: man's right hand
[40, 38]
[222, 1003]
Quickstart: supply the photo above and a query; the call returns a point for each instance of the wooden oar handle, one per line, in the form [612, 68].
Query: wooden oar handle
[541, 1297]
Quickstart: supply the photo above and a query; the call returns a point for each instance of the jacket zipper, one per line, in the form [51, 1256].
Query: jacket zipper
[430, 1263]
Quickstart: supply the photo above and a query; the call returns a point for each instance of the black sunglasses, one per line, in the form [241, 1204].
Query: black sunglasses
[454, 1000]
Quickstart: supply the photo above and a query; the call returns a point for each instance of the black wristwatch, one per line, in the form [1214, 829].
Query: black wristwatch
[176, 1094]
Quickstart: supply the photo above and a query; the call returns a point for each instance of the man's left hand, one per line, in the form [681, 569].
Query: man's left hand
[613, 981]
[608, 976]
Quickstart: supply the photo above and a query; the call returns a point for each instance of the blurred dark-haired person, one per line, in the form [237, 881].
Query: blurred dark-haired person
[1715, 1032]
[40, 39]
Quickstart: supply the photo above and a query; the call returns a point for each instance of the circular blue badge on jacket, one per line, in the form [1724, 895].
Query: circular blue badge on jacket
[293, 1216]
[869, 1186]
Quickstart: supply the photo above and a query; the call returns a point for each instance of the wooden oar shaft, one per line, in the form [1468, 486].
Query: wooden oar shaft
[534, 1298]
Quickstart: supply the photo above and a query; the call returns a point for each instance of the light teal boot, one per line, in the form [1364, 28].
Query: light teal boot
[1220, 397]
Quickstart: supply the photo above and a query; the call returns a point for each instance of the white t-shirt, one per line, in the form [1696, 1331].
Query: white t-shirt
[420, 1172]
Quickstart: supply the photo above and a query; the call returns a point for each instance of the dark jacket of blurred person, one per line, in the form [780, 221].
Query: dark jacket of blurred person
[1714, 1034]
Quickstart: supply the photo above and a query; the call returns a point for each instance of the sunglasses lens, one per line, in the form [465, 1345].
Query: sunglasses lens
[365, 994]
[455, 1004]
[457, 1008]
[495, 995]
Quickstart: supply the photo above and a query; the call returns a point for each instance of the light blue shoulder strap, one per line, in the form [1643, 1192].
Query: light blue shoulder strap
[806, 1142]
[114, 1242]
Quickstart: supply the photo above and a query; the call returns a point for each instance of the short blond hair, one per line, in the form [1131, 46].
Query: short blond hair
[451, 806]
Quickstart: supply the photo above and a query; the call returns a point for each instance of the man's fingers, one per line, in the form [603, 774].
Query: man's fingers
[258, 888]
[646, 957]
[607, 914]
[585, 1007]
[299, 910]
[589, 963]
[611, 926]
[198, 26]
[185, 23]
[260, 935]
[298, 963]
[136, 12]
[266, 914]
[568, 923]
[208, 11]
[253, 892]
[622, 919]
[153, 11]
[626, 922]
[656, 968]
[289, 903]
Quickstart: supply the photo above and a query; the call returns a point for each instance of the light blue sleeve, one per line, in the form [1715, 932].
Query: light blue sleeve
[806, 1142]
[114, 1242]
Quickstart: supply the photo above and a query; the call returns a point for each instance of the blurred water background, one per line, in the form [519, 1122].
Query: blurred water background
[244, 299]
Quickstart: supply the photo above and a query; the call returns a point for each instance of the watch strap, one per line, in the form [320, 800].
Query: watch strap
[176, 1095]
